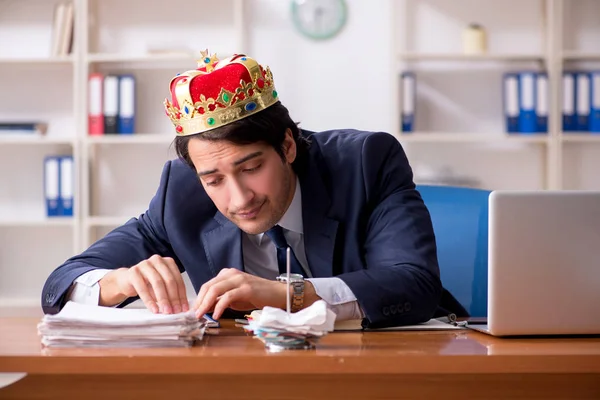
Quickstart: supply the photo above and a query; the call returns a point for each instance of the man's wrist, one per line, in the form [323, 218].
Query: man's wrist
[310, 294]
[110, 294]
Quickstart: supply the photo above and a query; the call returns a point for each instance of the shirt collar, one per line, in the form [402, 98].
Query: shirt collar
[292, 219]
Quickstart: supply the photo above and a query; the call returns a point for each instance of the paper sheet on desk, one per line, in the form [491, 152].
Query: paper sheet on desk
[83, 314]
[431, 325]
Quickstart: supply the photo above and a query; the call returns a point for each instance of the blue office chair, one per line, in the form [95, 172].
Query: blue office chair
[460, 223]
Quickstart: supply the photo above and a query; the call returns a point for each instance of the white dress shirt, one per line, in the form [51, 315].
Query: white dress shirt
[260, 259]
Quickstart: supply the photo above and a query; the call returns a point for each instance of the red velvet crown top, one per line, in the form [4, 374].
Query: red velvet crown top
[218, 93]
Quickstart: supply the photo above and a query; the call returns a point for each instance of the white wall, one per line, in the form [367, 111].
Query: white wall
[339, 83]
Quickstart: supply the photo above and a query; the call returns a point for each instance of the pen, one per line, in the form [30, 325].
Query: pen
[287, 297]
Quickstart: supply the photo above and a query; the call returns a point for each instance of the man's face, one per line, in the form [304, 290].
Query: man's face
[250, 184]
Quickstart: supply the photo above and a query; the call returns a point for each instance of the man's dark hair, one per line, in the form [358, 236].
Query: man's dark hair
[268, 126]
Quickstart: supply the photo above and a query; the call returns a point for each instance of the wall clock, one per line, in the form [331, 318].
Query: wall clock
[319, 19]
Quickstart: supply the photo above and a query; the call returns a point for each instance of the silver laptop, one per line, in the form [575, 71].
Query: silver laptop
[544, 263]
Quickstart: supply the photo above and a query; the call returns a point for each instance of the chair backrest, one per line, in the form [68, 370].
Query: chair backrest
[460, 223]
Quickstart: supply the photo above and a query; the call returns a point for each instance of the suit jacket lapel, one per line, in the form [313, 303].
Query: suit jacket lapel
[319, 229]
[223, 245]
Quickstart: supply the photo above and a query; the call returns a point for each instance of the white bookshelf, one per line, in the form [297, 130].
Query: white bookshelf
[40, 222]
[8, 139]
[581, 56]
[545, 35]
[118, 174]
[138, 138]
[469, 137]
[412, 56]
[31, 243]
[574, 137]
[67, 60]
[149, 58]
[105, 42]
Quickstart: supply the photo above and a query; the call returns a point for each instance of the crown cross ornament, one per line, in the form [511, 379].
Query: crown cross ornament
[207, 62]
[218, 93]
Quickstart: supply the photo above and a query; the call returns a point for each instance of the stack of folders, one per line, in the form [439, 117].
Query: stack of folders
[408, 83]
[111, 104]
[81, 325]
[58, 186]
[525, 98]
[581, 101]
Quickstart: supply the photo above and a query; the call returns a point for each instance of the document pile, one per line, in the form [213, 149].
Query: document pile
[280, 330]
[81, 325]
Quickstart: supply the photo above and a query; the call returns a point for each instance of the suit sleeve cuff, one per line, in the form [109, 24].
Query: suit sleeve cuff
[332, 290]
[86, 289]
[92, 277]
[339, 297]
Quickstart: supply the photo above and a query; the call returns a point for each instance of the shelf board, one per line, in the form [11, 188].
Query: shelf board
[93, 222]
[136, 138]
[450, 137]
[119, 58]
[34, 139]
[581, 137]
[469, 57]
[37, 222]
[37, 60]
[581, 55]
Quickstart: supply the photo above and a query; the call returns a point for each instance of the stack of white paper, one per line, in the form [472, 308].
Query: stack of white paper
[81, 325]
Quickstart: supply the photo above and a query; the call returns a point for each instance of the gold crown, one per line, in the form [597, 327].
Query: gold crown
[218, 93]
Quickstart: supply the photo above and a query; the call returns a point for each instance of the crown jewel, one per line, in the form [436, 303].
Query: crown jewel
[218, 93]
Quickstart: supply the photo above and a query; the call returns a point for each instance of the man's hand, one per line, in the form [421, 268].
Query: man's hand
[239, 291]
[156, 280]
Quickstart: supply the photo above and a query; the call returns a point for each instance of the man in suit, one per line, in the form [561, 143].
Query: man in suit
[248, 185]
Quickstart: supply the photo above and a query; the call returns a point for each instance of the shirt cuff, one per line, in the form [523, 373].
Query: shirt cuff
[338, 296]
[86, 289]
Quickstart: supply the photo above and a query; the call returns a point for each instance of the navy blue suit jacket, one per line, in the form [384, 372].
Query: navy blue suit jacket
[364, 222]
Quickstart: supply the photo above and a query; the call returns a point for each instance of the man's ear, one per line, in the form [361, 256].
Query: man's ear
[289, 146]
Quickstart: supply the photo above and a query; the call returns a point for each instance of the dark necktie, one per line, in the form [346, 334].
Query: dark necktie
[276, 236]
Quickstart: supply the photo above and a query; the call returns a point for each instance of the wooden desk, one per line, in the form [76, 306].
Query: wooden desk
[233, 365]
